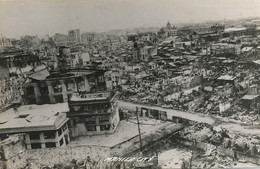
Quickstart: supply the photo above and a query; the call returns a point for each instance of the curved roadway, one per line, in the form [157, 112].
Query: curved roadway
[216, 121]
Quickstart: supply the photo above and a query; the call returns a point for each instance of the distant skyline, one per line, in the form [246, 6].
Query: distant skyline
[19, 18]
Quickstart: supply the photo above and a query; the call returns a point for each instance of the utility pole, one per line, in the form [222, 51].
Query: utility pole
[140, 139]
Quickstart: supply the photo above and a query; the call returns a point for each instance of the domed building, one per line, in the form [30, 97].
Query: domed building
[168, 26]
[170, 30]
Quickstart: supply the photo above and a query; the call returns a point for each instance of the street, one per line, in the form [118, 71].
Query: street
[217, 122]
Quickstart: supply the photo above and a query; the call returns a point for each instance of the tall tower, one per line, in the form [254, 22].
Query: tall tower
[168, 26]
[63, 58]
[74, 36]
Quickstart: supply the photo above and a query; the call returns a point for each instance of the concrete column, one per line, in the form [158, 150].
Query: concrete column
[29, 147]
[25, 93]
[37, 93]
[28, 141]
[111, 122]
[67, 125]
[68, 136]
[76, 86]
[97, 124]
[57, 139]
[64, 141]
[87, 87]
[27, 138]
[51, 92]
[57, 144]
[97, 128]
[149, 112]
[110, 118]
[64, 91]
[42, 140]
[97, 120]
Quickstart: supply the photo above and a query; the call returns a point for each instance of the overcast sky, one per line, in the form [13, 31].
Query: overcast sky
[50, 16]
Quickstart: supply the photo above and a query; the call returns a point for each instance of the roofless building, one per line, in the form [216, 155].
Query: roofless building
[44, 87]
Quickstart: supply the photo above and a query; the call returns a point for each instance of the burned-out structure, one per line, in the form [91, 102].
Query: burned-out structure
[45, 87]
[42, 126]
[93, 113]
[20, 59]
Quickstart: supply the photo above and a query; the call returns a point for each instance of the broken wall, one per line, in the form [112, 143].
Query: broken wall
[12, 146]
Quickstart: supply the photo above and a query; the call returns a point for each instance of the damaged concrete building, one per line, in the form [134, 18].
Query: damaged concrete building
[93, 113]
[42, 126]
[44, 87]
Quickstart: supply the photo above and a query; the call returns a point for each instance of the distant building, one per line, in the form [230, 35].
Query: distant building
[60, 39]
[72, 57]
[63, 58]
[113, 79]
[223, 80]
[4, 71]
[146, 53]
[168, 25]
[132, 37]
[44, 37]
[170, 30]
[209, 29]
[224, 106]
[241, 31]
[85, 58]
[247, 50]
[93, 113]
[225, 48]
[183, 45]
[225, 90]
[4, 43]
[250, 100]
[30, 41]
[87, 37]
[74, 36]
[135, 54]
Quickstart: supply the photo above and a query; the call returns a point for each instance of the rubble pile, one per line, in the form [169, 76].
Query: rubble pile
[222, 146]
[212, 161]
[10, 90]
[199, 132]
[247, 117]
[88, 163]
[174, 158]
